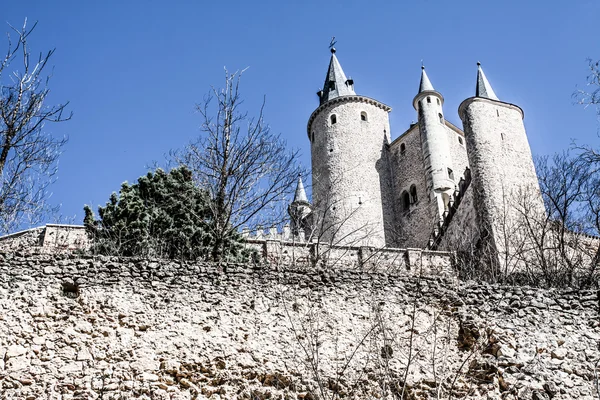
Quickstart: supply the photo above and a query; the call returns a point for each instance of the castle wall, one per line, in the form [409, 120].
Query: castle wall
[110, 328]
[350, 172]
[458, 151]
[415, 223]
[462, 232]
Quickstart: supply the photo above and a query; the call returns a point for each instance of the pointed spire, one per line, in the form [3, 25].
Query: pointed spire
[484, 89]
[336, 84]
[300, 195]
[425, 84]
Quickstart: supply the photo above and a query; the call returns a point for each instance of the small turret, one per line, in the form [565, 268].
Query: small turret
[434, 137]
[299, 210]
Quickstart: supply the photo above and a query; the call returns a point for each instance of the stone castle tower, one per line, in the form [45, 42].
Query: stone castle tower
[501, 162]
[431, 184]
[349, 135]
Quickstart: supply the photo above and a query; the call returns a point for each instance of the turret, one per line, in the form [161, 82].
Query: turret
[299, 211]
[503, 173]
[434, 138]
[349, 135]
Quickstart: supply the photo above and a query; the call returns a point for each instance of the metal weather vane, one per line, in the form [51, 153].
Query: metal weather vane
[332, 43]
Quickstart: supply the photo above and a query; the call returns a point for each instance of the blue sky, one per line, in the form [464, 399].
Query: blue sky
[133, 70]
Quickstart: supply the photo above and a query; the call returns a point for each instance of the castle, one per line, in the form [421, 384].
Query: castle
[431, 184]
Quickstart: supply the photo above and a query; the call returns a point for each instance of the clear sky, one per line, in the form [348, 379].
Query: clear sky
[133, 70]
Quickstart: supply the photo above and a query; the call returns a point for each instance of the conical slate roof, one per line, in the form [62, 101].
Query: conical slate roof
[425, 84]
[300, 195]
[484, 89]
[336, 84]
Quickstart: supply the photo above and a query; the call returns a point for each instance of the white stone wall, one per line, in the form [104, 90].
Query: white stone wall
[109, 328]
[414, 224]
[350, 171]
[458, 151]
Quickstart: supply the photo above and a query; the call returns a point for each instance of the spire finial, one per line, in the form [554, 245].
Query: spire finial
[478, 64]
[331, 44]
[422, 65]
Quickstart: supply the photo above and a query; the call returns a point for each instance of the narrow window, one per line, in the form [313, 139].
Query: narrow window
[460, 140]
[441, 118]
[450, 174]
[413, 194]
[405, 201]
[402, 148]
[363, 116]
[312, 137]
[438, 101]
[333, 119]
[332, 85]
[502, 135]
[428, 99]
[497, 112]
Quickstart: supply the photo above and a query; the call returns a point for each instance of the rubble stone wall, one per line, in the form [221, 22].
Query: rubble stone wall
[76, 327]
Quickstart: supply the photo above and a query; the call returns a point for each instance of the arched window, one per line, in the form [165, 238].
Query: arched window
[438, 101]
[450, 174]
[333, 119]
[413, 194]
[460, 140]
[363, 116]
[428, 99]
[402, 148]
[441, 118]
[405, 201]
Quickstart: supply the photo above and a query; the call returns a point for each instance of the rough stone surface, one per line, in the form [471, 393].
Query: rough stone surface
[350, 171]
[164, 330]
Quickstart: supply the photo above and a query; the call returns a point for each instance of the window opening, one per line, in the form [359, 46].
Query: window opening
[450, 174]
[413, 194]
[438, 101]
[402, 148]
[405, 201]
[363, 116]
[502, 135]
[332, 85]
[460, 140]
[333, 119]
[428, 99]
[441, 118]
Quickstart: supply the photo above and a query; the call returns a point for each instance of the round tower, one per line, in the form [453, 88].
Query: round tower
[434, 143]
[349, 135]
[503, 173]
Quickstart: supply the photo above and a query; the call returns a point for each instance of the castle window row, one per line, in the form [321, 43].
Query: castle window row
[363, 117]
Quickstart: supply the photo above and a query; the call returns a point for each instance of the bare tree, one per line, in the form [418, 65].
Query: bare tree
[28, 153]
[247, 170]
[591, 95]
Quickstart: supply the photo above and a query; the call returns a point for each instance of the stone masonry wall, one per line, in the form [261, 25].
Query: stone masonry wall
[415, 223]
[107, 328]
